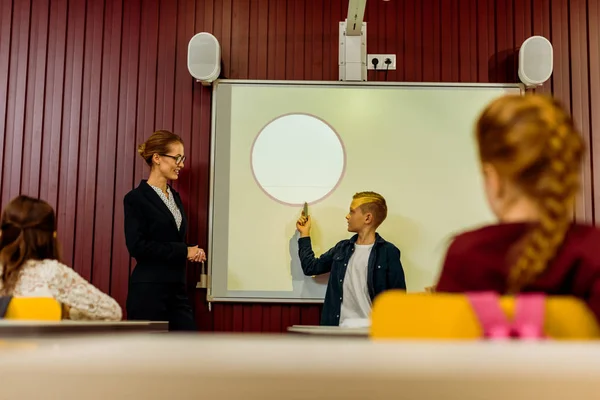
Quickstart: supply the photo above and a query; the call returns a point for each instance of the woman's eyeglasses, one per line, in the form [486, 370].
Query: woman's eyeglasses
[178, 158]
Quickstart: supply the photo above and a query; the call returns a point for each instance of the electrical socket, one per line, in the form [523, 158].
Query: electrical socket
[381, 58]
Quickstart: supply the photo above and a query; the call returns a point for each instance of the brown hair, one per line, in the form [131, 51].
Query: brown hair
[28, 227]
[532, 141]
[157, 143]
[374, 203]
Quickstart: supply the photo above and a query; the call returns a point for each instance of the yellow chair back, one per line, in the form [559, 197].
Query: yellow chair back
[400, 315]
[34, 308]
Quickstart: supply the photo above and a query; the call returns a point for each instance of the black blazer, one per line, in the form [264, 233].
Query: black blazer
[152, 236]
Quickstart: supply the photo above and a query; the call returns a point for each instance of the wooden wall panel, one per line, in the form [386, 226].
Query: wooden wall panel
[82, 83]
[593, 24]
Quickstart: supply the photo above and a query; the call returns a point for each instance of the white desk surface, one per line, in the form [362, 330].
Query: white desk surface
[286, 367]
[317, 330]
[21, 328]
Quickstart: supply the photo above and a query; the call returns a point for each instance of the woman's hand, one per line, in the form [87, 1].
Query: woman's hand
[196, 254]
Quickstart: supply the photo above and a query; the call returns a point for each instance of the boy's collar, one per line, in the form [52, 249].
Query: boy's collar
[378, 239]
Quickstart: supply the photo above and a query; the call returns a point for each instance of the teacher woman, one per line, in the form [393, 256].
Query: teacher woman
[155, 232]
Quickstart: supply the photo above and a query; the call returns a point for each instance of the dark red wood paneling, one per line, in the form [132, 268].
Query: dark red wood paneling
[6, 54]
[593, 22]
[71, 122]
[126, 144]
[82, 83]
[579, 92]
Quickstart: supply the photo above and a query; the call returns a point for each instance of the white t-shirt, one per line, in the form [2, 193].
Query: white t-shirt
[356, 302]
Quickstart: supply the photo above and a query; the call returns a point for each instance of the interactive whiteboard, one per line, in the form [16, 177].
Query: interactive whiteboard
[277, 144]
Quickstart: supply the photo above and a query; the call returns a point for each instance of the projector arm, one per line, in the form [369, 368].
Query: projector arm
[353, 43]
[356, 15]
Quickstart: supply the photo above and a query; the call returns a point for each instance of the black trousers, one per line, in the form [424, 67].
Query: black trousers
[161, 302]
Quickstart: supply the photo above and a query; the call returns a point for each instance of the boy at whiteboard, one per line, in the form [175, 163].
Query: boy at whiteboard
[361, 267]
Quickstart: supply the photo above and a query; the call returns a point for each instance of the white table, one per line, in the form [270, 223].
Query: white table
[327, 331]
[18, 328]
[287, 367]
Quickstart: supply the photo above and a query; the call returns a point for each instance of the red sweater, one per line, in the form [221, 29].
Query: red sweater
[477, 261]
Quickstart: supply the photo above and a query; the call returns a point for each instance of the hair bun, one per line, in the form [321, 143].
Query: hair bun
[158, 143]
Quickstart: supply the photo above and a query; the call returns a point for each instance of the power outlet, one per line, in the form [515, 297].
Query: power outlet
[381, 65]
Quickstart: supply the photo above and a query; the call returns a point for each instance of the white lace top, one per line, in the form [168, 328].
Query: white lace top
[170, 203]
[50, 278]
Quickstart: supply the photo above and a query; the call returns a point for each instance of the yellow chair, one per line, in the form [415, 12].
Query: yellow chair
[34, 308]
[399, 315]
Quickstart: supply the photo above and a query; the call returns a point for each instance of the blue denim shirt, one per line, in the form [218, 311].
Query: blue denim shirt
[384, 271]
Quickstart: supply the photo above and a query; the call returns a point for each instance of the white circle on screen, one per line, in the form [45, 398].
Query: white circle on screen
[298, 158]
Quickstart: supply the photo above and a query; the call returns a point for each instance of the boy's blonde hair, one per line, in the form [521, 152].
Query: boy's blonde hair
[373, 203]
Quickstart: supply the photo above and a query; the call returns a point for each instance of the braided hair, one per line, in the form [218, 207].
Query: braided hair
[532, 141]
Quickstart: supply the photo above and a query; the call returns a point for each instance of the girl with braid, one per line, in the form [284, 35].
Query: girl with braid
[530, 153]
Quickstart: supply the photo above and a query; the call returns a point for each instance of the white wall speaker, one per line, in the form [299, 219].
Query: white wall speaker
[204, 57]
[535, 61]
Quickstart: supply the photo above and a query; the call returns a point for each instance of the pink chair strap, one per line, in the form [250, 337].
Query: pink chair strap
[527, 324]
[491, 317]
[529, 316]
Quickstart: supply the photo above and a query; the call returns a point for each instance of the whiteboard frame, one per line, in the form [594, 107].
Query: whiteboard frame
[213, 132]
